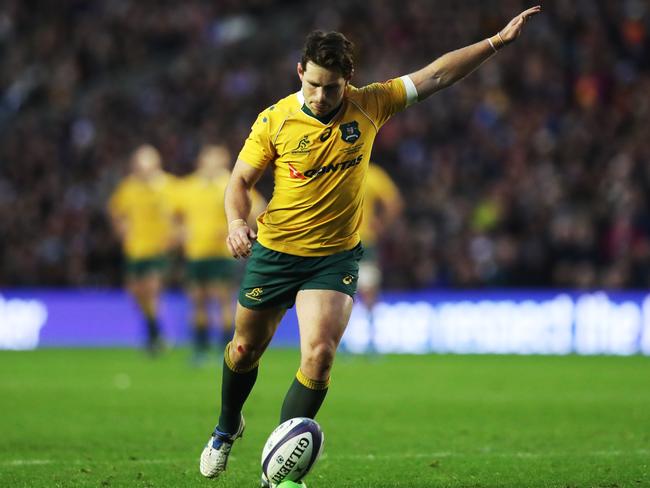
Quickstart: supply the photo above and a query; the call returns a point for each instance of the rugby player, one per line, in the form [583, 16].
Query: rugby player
[382, 206]
[307, 247]
[141, 214]
[210, 267]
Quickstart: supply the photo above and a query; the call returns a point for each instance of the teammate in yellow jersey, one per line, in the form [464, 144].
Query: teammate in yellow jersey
[210, 266]
[382, 206]
[318, 143]
[141, 213]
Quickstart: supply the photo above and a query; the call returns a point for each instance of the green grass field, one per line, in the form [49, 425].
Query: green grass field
[107, 418]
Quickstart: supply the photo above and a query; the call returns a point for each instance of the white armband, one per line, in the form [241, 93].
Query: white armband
[411, 91]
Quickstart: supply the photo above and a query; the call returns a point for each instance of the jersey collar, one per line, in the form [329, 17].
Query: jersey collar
[325, 119]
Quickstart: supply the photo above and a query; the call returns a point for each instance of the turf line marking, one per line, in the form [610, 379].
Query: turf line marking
[343, 457]
[81, 462]
[26, 462]
[447, 454]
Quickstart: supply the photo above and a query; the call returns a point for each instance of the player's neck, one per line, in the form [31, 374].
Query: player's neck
[324, 119]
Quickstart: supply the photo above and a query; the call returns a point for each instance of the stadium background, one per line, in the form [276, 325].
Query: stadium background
[532, 172]
[526, 231]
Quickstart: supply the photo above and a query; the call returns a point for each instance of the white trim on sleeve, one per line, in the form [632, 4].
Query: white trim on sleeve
[411, 91]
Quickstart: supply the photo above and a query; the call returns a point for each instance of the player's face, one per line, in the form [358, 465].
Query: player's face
[213, 160]
[146, 162]
[322, 88]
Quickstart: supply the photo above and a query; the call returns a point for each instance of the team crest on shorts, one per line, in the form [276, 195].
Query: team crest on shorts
[350, 132]
[255, 294]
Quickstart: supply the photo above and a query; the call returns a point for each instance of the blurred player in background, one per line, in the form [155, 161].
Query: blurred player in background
[382, 206]
[210, 267]
[141, 213]
[318, 142]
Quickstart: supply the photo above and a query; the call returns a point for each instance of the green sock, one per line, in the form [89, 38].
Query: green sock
[304, 398]
[235, 388]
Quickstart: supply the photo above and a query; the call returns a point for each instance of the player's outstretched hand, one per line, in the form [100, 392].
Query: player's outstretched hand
[240, 239]
[511, 31]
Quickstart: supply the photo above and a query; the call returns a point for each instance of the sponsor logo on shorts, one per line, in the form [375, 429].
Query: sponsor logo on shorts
[255, 294]
[348, 279]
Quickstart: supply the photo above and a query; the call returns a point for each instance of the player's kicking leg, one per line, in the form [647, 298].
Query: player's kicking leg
[254, 330]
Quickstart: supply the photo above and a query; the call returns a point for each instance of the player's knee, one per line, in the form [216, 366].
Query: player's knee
[244, 354]
[317, 362]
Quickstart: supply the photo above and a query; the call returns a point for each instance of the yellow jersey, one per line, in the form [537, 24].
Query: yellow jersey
[200, 202]
[147, 209]
[320, 168]
[379, 188]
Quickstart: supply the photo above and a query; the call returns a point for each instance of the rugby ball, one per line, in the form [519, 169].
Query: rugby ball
[291, 450]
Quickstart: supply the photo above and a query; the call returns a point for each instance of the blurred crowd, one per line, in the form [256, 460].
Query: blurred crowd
[532, 172]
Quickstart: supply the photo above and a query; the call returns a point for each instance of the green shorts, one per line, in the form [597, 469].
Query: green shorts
[370, 253]
[210, 270]
[138, 268]
[272, 278]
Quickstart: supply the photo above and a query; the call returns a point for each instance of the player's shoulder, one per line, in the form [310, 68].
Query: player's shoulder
[169, 180]
[127, 183]
[360, 94]
[223, 178]
[277, 113]
[187, 181]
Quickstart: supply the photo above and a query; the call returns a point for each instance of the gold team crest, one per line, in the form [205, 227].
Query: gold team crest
[255, 294]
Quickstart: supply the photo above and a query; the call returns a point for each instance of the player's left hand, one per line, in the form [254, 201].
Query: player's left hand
[511, 31]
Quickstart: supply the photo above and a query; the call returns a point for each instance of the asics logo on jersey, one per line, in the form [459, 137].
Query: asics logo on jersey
[326, 134]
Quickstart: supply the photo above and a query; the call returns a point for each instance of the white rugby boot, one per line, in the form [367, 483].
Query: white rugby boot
[214, 457]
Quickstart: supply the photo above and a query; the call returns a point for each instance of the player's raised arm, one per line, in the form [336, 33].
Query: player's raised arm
[238, 206]
[455, 65]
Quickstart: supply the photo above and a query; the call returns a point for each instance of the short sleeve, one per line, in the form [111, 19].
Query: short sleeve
[383, 100]
[258, 148]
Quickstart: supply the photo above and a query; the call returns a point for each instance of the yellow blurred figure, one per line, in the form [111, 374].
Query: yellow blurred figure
[382, 206]
[140, 209]
[210, 267]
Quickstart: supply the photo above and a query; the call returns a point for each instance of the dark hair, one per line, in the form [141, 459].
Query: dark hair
[330, 50]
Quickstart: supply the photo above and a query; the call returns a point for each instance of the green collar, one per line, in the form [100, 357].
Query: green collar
[325, 119]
